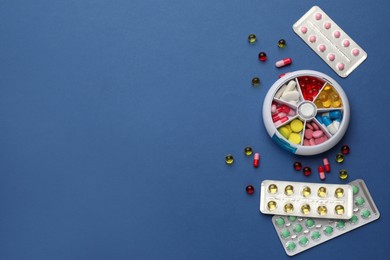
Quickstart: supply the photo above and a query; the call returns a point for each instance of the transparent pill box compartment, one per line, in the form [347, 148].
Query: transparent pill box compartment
[304, 102]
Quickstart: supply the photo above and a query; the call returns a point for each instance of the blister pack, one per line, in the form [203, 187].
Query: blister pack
[317, 200]
[299, 234]
[329, 41]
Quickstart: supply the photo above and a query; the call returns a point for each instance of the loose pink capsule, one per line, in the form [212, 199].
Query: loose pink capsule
[256, 160]
[326, 164]
[284, 62]
[321, 172]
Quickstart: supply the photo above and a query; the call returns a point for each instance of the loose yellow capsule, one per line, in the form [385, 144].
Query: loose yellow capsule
[272, 188]
[322, 210]
[271, 205]
[305, 209]
[289, 190]
[339, 210]
[322, 192]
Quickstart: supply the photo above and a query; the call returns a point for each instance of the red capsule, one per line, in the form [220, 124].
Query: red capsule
[321, 172]
[283, 74]
[306, 171]
[297, 166]
[284, 62]
[256, 160]
[250, 189]
[326, 164]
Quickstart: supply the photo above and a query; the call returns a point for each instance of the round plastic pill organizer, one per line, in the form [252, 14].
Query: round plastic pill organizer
[306, 112]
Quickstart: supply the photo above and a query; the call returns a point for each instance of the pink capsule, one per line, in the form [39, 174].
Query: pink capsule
[321, 172]
[281, 121]
[273, 108]
[283, 108]
[326, 164]
[279, 116]
[284, 62]
[256, 160]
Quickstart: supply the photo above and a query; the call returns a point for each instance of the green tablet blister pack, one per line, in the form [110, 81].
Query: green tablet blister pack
[298, 234]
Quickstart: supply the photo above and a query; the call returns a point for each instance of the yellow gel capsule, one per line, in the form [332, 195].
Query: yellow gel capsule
[323, 96]
[305, 209]
[296, 125]
[271, 205]
[322, 192]
[289, 190]
[339, 193]
[339, 210]
[288, 208]
[322, 210]
[295, 138]
[284, 132]
[306, 191]
[272, 188]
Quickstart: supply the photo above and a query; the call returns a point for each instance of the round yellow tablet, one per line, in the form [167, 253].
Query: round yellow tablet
[288, 127]
[295, 138]
[296, 125]
[284, 131]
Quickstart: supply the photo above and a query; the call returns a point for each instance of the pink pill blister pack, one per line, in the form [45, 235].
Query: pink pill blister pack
[329, 41]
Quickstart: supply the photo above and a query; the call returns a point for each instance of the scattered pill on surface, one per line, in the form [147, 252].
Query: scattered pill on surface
[306, 171]
[256, 160]
[345, 149]
[248, 151]
[252, 38]
[326, 164]
[282, 43]
[297, 166]
[250, 189]
[255, 81]
[343, 174]
[284, 62]
[262, 56]
[229, 159]
[321, 172]
[339, 158]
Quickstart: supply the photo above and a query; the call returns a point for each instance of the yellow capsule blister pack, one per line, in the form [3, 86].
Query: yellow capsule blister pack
[317, 200]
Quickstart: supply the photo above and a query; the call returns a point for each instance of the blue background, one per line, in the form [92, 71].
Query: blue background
[116, 117]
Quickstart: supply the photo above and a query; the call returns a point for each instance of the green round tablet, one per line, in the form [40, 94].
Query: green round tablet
[366, 214]
[355, 189]
[291, 246]
[354, 219]
[309, 223]
[292, 218]
[359, 201]
[279, 222]
[298, 228]
[315, 235]
[303, 241]
[328, 230]
[285, 233]
[340, 224]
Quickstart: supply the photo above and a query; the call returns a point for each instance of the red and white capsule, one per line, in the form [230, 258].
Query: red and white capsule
[279, 116]
[284, 62]
[321, 172]
[281, 121]
[326, 164]
[256, 160]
